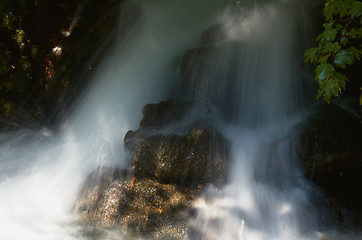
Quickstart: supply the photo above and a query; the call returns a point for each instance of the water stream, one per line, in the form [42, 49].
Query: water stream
[261, 95]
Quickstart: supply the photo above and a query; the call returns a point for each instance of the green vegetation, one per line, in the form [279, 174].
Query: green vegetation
[29, 29]
[13, 47]
[43, 44]
[339, 46]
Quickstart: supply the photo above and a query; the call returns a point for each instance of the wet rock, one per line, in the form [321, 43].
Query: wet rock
[165, 113]
[193, 60]
[331, 154]
[175, 152]
[197, 156]
[96, 188]
[210, 74]
[213, 36]
[115, 199]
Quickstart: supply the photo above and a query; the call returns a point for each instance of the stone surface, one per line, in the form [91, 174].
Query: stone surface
[213, 36]
[175, 152]
[210, 73]
[330, 151]
[113, 198]
[197, 154]
[197, 158]
[165, 113]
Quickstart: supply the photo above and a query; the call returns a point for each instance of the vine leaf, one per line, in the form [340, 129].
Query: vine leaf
[311, 55]
[338, 46]
[356, 9]
[324, 71]
[342, 58]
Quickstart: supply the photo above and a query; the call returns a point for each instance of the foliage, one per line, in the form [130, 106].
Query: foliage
[12, 46]
[339, 45]
[29, 30]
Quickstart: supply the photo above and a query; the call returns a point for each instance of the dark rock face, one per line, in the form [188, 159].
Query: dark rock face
[213, 35]
[159, 115]
[210, 72]
[331, 154]
[198, 156]
[201, 64]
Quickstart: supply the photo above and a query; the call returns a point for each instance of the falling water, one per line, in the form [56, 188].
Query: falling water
[267, 197]
[259, 94]
[40, 172]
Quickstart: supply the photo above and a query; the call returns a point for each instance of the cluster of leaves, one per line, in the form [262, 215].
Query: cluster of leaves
[13, 47]
[26, 30]
[29, 29]
[339, 45]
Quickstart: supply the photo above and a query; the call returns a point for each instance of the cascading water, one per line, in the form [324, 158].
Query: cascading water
[40, 173]
[267, 197]
[253, 76]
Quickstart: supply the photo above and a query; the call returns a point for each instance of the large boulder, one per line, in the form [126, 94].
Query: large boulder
[211, 71]
[193, 155]
[213, 36]
[196, 158]
[175, 152]
[113, 198]
[330, 151]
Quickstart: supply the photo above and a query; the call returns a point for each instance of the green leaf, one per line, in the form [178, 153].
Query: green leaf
[338, 46]
[324, 71]
[343, 12]
[320, 93]
[344, 40]
[338, 27]
[342, 58]
[332, 47]
[311, 55]
[356, 9]
[345, 6]
[329, 24]
[341, 79]
[329, 34]
[330, 86]
[355, 53]
[331, 8]
[328, 10]
[324, 59]
[358, 32]
[353, 33]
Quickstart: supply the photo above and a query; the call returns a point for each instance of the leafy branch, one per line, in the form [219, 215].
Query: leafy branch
[338, 46]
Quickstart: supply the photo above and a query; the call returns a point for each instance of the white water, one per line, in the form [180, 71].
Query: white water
[39, 180]
[267, 197]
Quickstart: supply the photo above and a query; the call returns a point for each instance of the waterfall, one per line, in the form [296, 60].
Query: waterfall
[253, 75]
[261, 91]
